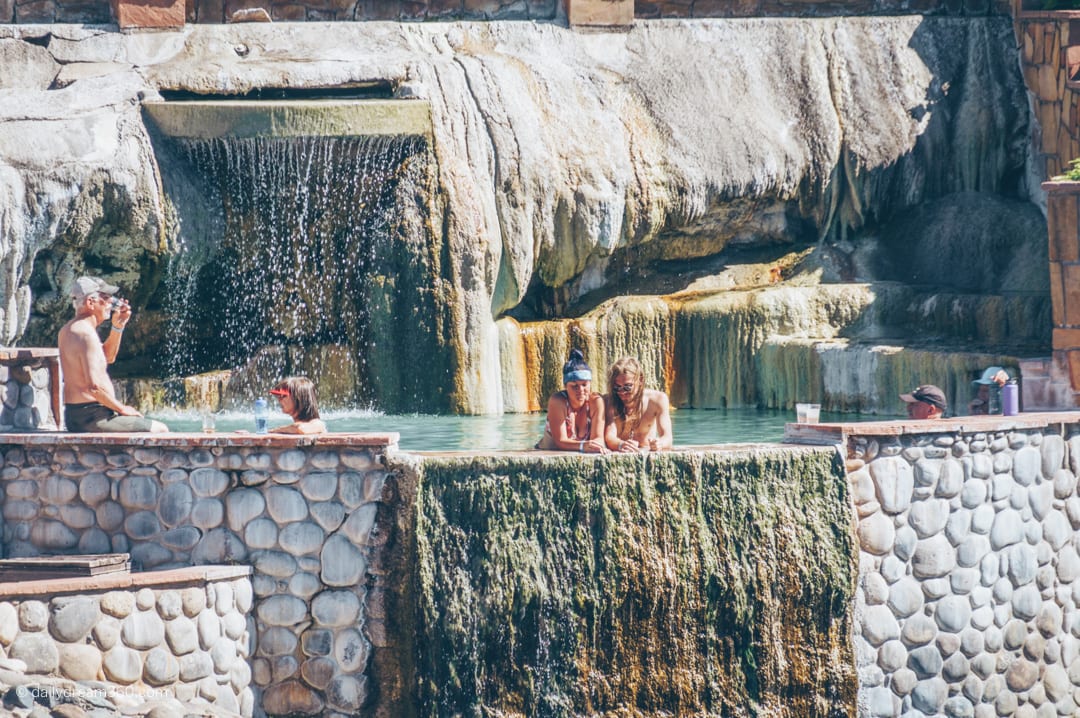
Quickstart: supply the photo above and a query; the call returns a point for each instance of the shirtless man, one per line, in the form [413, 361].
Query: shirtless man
[638, 419]
[90, 402]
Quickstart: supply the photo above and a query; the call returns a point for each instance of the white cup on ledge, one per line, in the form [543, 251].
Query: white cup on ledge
[807, 413]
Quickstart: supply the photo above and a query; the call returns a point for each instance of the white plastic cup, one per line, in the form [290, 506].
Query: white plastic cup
[808, 413]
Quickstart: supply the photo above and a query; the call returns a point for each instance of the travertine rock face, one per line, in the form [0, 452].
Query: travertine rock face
[564, 159]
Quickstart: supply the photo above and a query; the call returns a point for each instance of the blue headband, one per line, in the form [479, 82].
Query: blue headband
[576, 375]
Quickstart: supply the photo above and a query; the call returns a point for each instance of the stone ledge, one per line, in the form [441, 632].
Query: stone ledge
[108, 582]
[837, 433]
[14, 355]
[175, 439]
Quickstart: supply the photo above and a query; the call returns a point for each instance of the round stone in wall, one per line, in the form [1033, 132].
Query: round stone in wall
[317, 672]
[929, 695]
[905, 597]
[33, 616]
[193, 601]
[233, 624]
[1021, 675]
[277, 641]
[194, 666]
[79, 661]
[52, 536]
[285, 504]
[219, 545]
[282, 611]
[876, 531]
[139, 492]
[351, 651]
[176, 503]
[9, 623]
[142, 630]
[122, 665]
[342, 562]
[328, 515]
[335, 608]
[933, 557]
[347, 693]
[319, 486]
[301, 538]
[37, 651]
[72, 618]
[1007, 529]
[291, 697]
[918, 630]
[161, 668]
[952, 613]
[181, 636]
[291, 460]
[94, 541]
[929, 517]
[209, 482]
[925, 661]
[242, 506]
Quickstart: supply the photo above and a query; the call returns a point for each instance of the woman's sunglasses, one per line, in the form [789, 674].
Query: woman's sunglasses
[623, 388]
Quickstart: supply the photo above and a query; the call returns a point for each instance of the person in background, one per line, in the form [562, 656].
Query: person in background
[90, 402]
[297, 398]
[575, 415]
[988, 391]
[638, 419]
[925, 402]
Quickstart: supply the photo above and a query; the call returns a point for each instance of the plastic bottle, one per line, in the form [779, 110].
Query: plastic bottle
[262, 414]
[1010, 398]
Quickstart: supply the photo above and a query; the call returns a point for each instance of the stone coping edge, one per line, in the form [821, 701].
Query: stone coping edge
[115, 581]
[189, 439]
[16, 354]
[1062, 186]
[838, 433]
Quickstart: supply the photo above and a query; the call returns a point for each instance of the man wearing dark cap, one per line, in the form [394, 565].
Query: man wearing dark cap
[90, 402]
[925, 402]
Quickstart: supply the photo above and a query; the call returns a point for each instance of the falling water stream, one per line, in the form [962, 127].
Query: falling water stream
[292, 255]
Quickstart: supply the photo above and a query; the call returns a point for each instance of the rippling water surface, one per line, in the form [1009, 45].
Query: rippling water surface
[421, 432]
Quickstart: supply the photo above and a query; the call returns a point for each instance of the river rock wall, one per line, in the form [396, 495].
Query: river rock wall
[191, 644]
[968, 601]
[315, 524]
[565, 159]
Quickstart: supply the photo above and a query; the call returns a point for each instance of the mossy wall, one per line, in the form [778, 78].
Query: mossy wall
[689, 583]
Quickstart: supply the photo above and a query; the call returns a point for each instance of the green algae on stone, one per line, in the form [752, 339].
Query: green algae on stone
[687, 583]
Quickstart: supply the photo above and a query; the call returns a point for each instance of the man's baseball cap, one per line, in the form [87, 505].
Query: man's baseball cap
[84, 286]
[928, 394]
[988, 375]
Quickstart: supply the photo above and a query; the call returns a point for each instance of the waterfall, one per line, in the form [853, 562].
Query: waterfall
[305, 255]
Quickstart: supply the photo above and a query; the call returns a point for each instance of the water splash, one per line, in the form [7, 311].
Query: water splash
[293, 257]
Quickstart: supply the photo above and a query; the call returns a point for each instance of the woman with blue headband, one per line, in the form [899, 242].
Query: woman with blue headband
[575, 415]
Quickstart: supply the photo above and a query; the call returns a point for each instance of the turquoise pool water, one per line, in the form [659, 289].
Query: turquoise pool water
[512, 431]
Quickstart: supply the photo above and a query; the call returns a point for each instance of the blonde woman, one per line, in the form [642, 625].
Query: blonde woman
[638, 419]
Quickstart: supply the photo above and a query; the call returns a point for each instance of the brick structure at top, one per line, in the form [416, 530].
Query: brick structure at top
[219, 11]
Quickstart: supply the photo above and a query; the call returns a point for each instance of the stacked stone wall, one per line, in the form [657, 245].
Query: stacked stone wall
[969, 594]
[314, 523]
[27, 401]
[191, 644]
[1048, 64]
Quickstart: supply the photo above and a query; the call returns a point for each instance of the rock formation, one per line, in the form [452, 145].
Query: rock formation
[565, 162]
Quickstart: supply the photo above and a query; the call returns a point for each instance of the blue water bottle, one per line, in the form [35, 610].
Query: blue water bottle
[1010, 398]
[262, 414]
